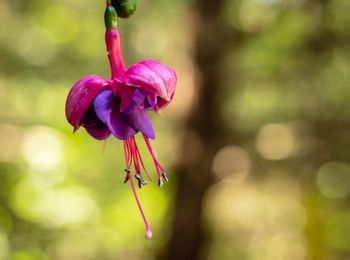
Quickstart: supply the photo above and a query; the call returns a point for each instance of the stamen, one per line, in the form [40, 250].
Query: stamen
[130, 152]
[160, 183]
[127, 175]
[134, 156]
[127, 154]
[159, 168]
[136, 162]
[140, 158]
[148, 228]
[165, 177]
[141, 181]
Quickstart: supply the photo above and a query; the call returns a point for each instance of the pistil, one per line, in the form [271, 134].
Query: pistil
[148, 228]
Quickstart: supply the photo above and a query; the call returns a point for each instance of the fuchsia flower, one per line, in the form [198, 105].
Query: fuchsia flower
[118, 106]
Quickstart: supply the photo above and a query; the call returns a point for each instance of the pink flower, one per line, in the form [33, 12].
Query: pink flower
[118, 106]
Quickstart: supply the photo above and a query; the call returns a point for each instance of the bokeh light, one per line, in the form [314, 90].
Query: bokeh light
[65, 25]
[276, 142]
[333, 179]
[36, 46]
[232, 162]
[10, 137]
[41, 148]
[261, 215]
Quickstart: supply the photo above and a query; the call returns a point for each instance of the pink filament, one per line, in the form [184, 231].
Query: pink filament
[134, 155]
[142, 164]
[127, 152]
[159, 168]
[138, 158]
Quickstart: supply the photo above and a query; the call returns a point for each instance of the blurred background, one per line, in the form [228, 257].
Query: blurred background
[256, 141]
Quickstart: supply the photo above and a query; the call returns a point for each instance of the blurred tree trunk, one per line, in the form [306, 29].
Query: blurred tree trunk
[204, 132]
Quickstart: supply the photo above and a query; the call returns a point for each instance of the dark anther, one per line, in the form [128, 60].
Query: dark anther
[140, 180]
[127, 175]
[165, 177]
[126, 178]
[160, 183]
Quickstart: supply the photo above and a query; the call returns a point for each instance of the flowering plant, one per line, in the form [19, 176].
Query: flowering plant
[118, 106]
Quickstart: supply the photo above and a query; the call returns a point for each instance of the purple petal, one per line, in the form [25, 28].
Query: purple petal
[94, 126]
[118, 125]
[90, 119]
[140, 121]
[108, 111]
[81, 96]
[103, 105]
[99, 132]
[136, 102]
[151, 101]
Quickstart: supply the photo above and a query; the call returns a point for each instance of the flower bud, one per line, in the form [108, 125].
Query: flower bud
[111, 18]
[125, 8]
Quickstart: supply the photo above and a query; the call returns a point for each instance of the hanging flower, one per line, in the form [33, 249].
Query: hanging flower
[118, 106]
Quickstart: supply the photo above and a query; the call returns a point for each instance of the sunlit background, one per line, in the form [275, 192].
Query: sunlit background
[282, 192]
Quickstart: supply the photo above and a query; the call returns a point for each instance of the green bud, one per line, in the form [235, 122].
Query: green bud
[125, 8]
[111, 18]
